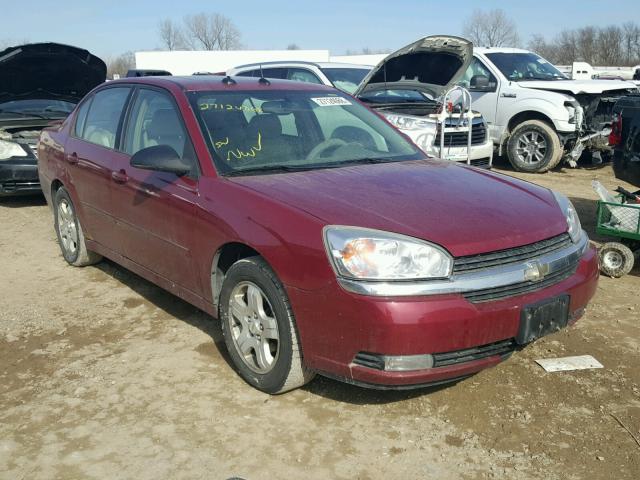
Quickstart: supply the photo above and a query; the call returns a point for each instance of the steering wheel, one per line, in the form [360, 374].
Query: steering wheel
[328, 144]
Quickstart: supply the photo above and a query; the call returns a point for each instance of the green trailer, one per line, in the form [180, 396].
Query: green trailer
[622, 221]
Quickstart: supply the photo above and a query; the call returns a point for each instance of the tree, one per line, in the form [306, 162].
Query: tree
[491, 29]
[538, 44]
[211, 31]
[120, 64]
[293, 46]
[171, 35]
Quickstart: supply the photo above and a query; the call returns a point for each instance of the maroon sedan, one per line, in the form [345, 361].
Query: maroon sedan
[321, 237]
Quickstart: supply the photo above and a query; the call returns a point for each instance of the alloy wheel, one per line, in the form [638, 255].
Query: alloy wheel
[67, 227]
[531, 147]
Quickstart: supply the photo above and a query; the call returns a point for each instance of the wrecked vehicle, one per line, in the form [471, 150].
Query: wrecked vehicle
[321, 237]
[39, 83]
[415, 89]
[535, 113]
[625, 139]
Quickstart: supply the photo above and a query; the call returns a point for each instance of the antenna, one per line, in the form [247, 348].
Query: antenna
[263, 81]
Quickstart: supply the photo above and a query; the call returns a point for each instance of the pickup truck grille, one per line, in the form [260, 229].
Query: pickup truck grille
[459, 139]
[525, 253]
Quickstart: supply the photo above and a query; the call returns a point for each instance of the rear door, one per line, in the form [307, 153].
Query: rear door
[157, 210]
[91, 158]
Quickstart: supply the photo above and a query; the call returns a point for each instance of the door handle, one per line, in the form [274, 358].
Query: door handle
[72, 158]
[120, 176]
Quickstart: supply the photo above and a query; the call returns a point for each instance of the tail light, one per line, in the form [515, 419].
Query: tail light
[615, 137]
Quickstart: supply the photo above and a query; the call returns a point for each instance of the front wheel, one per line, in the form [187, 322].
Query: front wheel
[69, 231]
[534, 146]
[259, 328]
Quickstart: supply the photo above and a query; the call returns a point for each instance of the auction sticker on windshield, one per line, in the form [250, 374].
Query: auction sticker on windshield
[331, 101]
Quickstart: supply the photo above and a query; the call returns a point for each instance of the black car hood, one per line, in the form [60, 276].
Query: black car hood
[49, 70]
[431, 65]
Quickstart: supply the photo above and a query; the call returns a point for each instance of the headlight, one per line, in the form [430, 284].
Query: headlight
[406, 122]
[574, 229]
[10, 149]
[366, 254]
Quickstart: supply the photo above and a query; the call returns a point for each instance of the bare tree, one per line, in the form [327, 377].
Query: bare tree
[491, 29]
[211, 31]
[171, 35]
[293, 46]
[611, 50]
[631, 42]
[539, 45]
[120, 64]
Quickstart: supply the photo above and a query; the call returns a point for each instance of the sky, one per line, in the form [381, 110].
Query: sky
[110, 28]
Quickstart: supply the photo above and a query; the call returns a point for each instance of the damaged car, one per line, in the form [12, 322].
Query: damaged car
[40, 83]
[537, 115]
[323, 240]
[417, 90]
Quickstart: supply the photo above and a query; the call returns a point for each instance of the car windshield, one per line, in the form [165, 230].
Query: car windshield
[525, 66]
[36, 107]
[265, 132]
[395, 96]
[346, 79]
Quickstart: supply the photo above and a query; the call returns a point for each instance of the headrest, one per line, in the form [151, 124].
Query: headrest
[164, 123]
[268, 124]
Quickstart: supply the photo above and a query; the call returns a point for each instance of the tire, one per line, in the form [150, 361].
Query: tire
[69, 231]
[616, 259]
[252, 303]
[534, 147]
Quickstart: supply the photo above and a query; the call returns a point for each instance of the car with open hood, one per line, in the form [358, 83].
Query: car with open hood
[417, 89]
[321, 237]
[40, 83]
[537, 115]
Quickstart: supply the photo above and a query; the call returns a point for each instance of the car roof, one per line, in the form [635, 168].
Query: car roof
[486, 50]
[302, 63]
[196, 83]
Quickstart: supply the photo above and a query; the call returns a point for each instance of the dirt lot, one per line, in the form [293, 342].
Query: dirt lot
[103, 375]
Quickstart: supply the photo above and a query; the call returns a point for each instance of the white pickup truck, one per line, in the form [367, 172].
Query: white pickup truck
[535, 113]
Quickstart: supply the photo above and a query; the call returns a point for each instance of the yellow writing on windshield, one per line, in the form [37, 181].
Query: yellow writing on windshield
[238, 154]
[228, 107]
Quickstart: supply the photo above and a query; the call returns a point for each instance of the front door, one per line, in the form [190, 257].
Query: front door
[485, 99]
[158, 209]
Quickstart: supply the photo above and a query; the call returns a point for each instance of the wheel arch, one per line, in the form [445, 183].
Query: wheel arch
[517, 119]
[225, 256]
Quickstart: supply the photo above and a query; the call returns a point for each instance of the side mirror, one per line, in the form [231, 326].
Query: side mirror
[480, 83]
[161, 158]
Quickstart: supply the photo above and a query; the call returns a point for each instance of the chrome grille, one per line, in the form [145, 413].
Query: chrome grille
[482, 261]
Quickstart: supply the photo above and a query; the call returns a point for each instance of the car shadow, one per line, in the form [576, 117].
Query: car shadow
[176, 307]
[21, 201]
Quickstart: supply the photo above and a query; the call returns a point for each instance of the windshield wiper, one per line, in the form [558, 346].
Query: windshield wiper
[302, 168]
[23, 114]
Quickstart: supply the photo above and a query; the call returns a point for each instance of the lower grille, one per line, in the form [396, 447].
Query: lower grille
[476, 353]
[498, 293]
[504, 347]
[13, 186]
[481, 163]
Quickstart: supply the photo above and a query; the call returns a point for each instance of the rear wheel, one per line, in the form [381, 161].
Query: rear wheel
[616, 259]
[534, 147]
[259, 328]
[69, 231]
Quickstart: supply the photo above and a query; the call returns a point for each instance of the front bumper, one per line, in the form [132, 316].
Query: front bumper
[19, 177]
[336, 325]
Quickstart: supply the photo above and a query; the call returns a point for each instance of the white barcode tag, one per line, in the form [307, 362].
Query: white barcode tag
[331, 101]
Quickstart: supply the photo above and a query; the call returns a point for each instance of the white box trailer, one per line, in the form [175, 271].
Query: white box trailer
[180, 62]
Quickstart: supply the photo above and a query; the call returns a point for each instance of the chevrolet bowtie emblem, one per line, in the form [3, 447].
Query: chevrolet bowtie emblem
[533, 271]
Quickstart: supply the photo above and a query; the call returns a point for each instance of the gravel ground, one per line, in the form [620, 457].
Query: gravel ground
[104, 375]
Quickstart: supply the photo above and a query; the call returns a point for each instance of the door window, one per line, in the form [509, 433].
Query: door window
[103, 118]
[302, 75]
[476, 69]
[154, 120]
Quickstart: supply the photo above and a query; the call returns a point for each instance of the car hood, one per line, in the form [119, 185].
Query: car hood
[465, 210]
[576, 87]
[49, 70]
[431, 65]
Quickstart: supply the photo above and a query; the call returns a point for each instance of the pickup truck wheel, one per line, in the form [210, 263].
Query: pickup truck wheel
[69, 232]
[616, 259]
[534, 146]
[259, 328]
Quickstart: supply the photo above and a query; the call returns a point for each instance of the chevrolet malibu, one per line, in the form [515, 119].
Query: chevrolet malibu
[322, 239]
